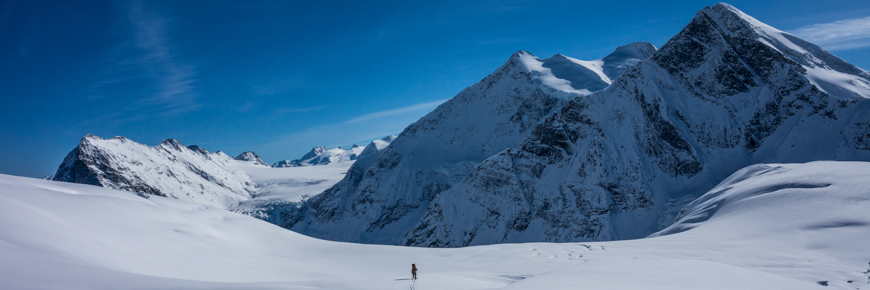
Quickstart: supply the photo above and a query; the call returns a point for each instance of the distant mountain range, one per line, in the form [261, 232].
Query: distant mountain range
[323, 156]
[194, 174]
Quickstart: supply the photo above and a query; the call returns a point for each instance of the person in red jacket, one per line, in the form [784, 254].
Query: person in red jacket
[414, 271]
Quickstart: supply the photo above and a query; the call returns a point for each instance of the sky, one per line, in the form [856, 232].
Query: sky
[280, 77]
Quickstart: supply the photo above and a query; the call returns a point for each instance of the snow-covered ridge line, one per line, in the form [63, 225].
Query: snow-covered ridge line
[168, 169]
[194, 174]
[582, 77]
[323, 156]
[827, 72]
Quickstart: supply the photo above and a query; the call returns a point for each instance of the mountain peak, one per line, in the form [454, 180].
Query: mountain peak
[250, 156]
[169, 169]
[640, 50]
[198, 149]
[389, 138]
[323, 156]
[723, 31]
[174, 144]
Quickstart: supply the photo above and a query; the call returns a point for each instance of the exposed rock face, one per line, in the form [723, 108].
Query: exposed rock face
[383, 197]
[169, 169]
[250, 156]
[726, 92]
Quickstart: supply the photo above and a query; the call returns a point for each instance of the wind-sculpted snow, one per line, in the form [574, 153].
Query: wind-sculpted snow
[726, 92]
[382, 197]
[785, 185]
[169, 169]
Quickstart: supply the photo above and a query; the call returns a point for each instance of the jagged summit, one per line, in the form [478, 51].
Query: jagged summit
[252, 157]
[824, 70]
[168, 169]
[198, 149]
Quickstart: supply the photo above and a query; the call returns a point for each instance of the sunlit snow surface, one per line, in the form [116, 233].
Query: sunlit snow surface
[781, 226]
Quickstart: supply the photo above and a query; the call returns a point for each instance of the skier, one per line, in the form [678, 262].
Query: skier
[414, 271]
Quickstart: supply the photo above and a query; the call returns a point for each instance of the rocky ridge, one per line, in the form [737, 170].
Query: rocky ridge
[169, 169]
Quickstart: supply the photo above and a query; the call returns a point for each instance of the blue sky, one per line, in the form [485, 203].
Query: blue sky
[279, 77]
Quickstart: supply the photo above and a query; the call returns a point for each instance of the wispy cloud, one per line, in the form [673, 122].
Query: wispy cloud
[382, 114]
[147, 67]
[298, 110]
[174, 79]
[359, 130]
[838, 35]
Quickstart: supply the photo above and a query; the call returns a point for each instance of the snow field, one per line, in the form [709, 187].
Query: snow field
[762, 233]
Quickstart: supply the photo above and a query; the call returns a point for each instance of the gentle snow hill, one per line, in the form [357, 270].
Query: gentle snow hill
[382, 198]
[776, 226]
[726, 92]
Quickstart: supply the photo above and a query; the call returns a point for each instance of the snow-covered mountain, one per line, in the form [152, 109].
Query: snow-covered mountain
[381, 198]
[244, 184]
[376, 146]
[323, 156]
[775, 226]
[728, 91]
[252, 157]
[169, 169]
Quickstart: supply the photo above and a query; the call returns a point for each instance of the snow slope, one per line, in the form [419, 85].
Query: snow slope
[724, 93]
[778, 226]
[382, 198]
